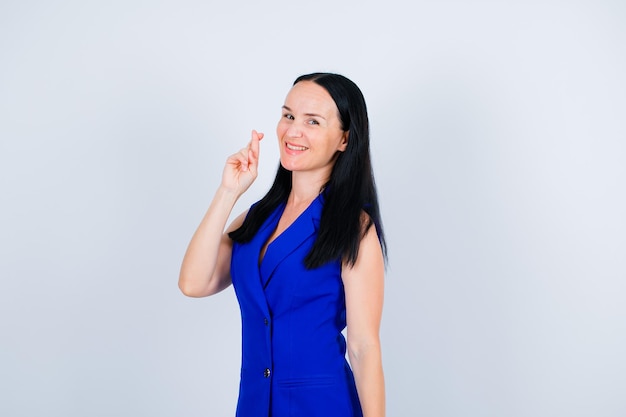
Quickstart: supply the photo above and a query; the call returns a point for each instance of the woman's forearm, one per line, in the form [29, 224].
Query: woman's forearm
[370, 382]
[201, 272]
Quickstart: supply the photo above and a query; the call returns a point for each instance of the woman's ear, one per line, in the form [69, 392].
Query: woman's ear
[344, 141]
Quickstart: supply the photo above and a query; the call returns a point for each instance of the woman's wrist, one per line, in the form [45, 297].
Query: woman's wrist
[227, 194]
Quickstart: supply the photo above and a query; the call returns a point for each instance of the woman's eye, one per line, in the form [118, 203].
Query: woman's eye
[313, 122]
[288, 116]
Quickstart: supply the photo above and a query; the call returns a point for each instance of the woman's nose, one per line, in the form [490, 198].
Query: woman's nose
[294, 131]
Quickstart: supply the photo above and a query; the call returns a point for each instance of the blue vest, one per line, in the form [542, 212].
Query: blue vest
[293, 351]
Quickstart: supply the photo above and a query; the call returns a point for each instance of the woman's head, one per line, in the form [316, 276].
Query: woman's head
[352, 113]
[310, 132]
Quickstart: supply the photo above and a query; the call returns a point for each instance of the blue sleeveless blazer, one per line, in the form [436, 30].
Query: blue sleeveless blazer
[293, 351]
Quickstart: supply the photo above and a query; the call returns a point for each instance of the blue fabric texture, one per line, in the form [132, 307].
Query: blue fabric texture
[293, 351]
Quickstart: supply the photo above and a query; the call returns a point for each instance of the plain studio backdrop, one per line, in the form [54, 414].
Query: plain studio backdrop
[498, 140]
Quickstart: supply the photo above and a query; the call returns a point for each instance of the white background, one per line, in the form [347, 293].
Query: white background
[498, 139]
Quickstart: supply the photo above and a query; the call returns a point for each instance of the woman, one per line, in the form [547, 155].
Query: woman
[305, 261]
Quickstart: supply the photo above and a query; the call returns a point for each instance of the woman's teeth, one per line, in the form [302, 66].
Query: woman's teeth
[296, 148]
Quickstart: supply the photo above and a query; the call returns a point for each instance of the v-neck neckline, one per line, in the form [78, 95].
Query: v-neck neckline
[268, 244]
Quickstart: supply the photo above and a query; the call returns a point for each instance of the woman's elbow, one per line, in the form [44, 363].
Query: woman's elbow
[189, 288]
[201, 288]
[357, 351]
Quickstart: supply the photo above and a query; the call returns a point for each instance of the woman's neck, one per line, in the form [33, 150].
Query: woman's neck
[305, 187]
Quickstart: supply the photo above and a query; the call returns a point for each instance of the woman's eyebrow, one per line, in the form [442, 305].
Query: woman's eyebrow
[307, 114]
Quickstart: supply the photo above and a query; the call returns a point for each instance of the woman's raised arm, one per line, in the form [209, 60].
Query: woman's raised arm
[206, 266]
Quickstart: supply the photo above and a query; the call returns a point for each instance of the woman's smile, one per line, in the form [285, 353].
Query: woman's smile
[295, 148]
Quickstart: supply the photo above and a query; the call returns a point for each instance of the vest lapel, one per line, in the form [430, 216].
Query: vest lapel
[288, 241]
[246, 266]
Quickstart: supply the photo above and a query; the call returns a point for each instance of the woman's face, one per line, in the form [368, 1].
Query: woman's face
[309, 131]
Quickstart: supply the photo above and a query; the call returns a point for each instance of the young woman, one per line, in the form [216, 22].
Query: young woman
[306, 261]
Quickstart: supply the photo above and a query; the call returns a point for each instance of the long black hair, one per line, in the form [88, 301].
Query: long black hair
[350, 191]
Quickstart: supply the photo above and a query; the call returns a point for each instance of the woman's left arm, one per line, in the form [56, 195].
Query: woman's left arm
[363, 284]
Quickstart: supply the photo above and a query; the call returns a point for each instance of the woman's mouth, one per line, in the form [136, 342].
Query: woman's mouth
[292, 147]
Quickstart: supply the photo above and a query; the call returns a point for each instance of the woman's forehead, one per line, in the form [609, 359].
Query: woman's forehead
[307, 95]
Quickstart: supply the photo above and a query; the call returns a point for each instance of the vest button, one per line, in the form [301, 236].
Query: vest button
[267, 373]
[266, 321]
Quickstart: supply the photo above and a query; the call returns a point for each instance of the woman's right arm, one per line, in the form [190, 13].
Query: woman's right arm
[206, 266]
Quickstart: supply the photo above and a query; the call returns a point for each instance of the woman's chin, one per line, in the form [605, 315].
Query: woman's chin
[288, 165]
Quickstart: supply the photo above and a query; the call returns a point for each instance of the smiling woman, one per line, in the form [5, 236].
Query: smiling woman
[310, 133]
[306, 261]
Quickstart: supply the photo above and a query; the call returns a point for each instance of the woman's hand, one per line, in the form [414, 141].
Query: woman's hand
[242, 168]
